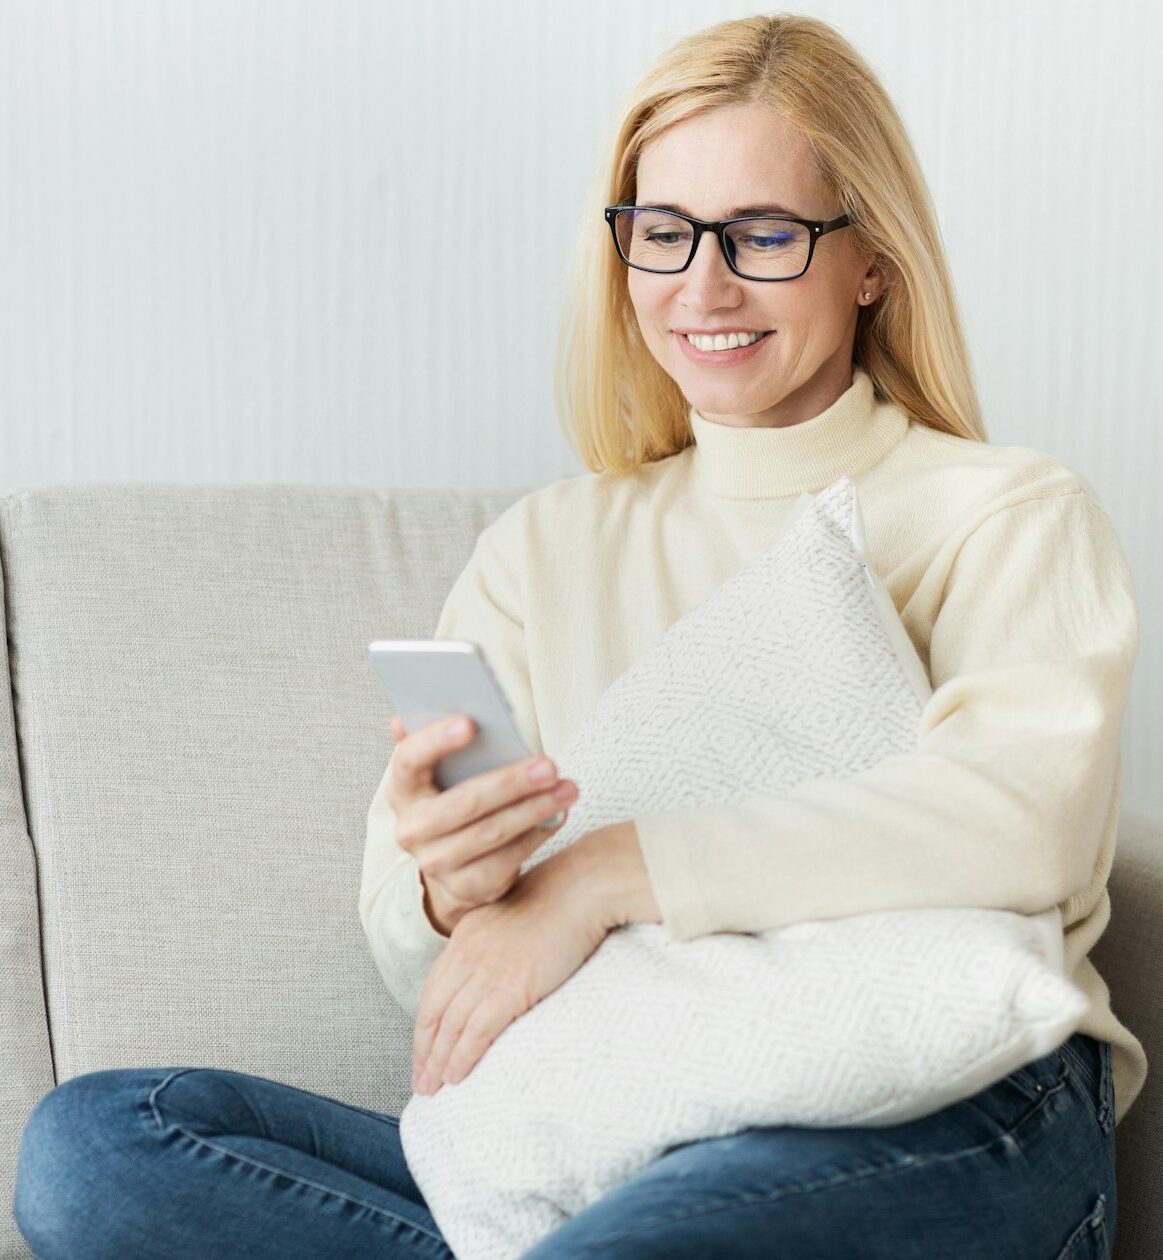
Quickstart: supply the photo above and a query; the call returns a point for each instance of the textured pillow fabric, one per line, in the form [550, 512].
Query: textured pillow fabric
[797, 666]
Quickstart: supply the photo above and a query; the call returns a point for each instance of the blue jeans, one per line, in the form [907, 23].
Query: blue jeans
[146, 1163]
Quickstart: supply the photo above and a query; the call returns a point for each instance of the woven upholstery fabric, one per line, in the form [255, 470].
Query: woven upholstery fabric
[24, 1043]
[796, 667]
[200, 734]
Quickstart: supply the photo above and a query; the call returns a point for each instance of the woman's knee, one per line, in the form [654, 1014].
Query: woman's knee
[208, 1101]
[72, 1144]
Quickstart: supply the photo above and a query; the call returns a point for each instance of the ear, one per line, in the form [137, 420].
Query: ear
[871, 283]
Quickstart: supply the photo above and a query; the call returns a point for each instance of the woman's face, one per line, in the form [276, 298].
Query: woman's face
[746, 155]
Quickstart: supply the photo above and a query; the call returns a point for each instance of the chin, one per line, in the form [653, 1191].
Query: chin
[728, 398]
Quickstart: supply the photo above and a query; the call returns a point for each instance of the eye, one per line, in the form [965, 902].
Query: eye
[772, 240]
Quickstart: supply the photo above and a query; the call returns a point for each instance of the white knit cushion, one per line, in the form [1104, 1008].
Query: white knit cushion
[798, 666]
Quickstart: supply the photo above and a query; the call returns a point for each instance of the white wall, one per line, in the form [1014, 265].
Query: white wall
[210, 213]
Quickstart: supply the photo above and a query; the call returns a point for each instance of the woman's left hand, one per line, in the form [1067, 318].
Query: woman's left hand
[501, 959]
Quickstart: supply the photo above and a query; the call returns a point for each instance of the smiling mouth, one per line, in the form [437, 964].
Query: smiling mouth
[708, 340]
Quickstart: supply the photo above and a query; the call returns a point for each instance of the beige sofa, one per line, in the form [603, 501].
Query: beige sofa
[192, 740]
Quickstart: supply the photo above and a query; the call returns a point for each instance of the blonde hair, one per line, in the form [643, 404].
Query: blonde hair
[620, 408]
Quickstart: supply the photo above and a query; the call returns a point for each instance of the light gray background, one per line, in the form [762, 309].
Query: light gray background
[213, 213]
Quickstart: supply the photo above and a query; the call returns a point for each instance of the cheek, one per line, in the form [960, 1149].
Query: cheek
[809, 310]
[639, 297]
[647, 307]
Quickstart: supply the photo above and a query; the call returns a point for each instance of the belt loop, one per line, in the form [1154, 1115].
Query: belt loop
[1106, 1085]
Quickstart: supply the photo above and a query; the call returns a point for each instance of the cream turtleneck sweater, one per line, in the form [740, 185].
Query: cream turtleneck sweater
[1012, 584]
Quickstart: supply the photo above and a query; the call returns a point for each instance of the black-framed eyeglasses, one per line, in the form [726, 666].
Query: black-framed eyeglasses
[759, 247]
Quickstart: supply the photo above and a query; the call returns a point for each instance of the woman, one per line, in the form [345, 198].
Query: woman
[1008, 576]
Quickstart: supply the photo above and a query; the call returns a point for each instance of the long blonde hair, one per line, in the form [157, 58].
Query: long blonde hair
[619, 407]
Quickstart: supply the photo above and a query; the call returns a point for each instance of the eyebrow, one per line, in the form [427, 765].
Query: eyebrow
[735, 212]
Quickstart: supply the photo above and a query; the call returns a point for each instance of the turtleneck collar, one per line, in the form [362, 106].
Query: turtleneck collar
[850, 436]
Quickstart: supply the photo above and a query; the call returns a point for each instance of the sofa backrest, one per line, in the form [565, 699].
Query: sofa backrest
[188, 748]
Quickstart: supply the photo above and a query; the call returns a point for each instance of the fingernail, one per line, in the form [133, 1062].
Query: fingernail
[422, 1086]
[540, 772]
[457, 729]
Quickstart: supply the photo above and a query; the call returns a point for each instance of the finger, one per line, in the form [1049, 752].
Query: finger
[480, 816]
[484, 1026]
[415, 756]
[424, 1031]
[428, 1014]
[438, 992]
[452, 1023]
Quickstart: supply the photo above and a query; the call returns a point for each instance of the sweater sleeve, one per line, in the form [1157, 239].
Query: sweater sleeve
[1003, 803]
[481, 606]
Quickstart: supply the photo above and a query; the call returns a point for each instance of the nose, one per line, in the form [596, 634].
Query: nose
[708, 268]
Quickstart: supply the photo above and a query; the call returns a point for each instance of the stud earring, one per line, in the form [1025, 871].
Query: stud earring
[867, 295]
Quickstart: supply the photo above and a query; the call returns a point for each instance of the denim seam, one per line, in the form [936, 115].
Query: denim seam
[256, 1163]
[1079, 1064]
[1106, 1112]
[359, 1111]
[1101, 1086]
[909, 1162]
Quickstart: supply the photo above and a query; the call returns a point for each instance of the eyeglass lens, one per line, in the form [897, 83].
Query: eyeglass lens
[764, 249]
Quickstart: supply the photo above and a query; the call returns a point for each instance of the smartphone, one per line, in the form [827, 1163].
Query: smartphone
[430, 679]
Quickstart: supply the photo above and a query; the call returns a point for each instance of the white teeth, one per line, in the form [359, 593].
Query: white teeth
[732, 341]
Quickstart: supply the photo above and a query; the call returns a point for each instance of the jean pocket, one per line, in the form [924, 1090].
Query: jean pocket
[1041, 1077]
[1089, 1240]
[1017, 1098]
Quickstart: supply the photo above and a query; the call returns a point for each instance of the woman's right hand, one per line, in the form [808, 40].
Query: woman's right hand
[469, 840]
